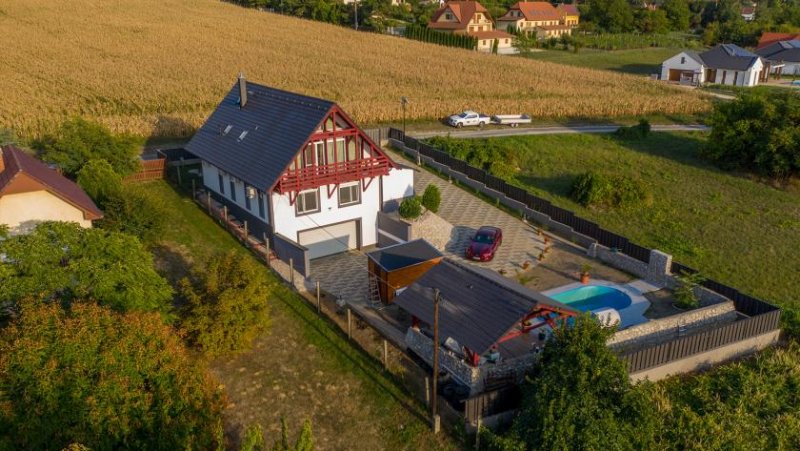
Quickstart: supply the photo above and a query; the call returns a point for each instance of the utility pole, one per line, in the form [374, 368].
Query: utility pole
[435, 385]
[355, 20]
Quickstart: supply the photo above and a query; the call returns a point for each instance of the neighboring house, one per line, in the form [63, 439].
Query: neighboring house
[768, 38]
[31, 193]
[783, 57]
[535, 18]
[569, 14]
[749, 13]
[470, 18]
[297, 168]
[725, 64]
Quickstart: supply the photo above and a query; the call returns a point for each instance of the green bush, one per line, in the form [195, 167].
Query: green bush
[638, 131]
[135, 211]
[226, 304]
[79, 140]
[410, 208]
[431, 198]
[592, 189]
[684, 292]
[99, 180]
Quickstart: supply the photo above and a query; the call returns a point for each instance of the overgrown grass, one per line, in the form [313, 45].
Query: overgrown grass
[642, 61]
[736, 230]
[366, 403]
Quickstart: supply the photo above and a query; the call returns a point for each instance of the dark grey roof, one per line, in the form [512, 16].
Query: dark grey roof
[477, 306]
[404, 254]
[695, 56]
[788, 51]
[729, 56]
[277, 124]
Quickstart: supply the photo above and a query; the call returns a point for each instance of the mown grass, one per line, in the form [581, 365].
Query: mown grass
[734, 229]
[351, 401]
[643, 61]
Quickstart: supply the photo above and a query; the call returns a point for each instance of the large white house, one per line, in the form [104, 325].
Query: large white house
[31, 193]
[725, 64]
[297, 168]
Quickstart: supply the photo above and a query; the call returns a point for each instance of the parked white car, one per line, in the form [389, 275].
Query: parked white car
[467, 119]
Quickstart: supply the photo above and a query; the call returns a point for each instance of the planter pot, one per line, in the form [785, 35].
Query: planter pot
[584, 278]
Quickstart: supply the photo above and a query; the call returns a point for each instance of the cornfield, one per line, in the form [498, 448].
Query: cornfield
[159, 67]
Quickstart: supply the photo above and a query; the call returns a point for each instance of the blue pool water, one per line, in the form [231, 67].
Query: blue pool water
[593, 297]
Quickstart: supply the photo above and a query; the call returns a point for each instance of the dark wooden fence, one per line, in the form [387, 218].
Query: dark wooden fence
[558, 214]
[762, 316]
[683, 347]
[492, 402]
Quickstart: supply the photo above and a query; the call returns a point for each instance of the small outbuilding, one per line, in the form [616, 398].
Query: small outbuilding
[393, 268]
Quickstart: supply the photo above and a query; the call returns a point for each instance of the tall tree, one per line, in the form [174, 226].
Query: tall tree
[678, 14]
[64, 261]
[105, 380]
[613, 16]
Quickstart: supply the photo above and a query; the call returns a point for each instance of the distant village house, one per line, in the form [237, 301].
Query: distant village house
[471, 18]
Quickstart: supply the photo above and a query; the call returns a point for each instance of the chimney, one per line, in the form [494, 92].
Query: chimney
[242, 90]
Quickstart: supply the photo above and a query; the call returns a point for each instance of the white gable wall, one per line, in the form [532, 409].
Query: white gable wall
[22, 212]
[688, 64]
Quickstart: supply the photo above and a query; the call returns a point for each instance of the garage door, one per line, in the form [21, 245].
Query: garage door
[675, 75]
[330, 240]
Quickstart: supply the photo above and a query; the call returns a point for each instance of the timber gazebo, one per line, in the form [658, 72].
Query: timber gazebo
[393, 268]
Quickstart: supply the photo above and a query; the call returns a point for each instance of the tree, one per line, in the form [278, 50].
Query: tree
[410, 208]
[66, 262]
[103, 379]
[648, 21]
[78, 141]
[758, 132]
[580, 397]
[678, 14]
[305, 441]
[226, 304]
[613, 16]
[137, 211]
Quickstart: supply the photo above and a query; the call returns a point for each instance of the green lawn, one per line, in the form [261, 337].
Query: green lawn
[738, 231]
[304, 367]
[637, 61]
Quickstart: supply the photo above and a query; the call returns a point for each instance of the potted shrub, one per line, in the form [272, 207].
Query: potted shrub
[585, 273]
[685, 296]
[410, 208]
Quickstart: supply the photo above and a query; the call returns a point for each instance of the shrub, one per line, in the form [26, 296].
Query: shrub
[431, 198]
[99, 180]
[410, 208]
[103, 379]
[638, 131]
[135, 211]
[592, 189]
[684, 292]
[79, 140]
[226, 304]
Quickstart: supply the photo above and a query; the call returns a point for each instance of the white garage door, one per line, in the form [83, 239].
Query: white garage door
[330, 240]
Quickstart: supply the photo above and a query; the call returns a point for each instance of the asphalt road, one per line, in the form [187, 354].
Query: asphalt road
[522, 131]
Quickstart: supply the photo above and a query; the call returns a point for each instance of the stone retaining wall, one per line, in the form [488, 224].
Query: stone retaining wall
[658, 330]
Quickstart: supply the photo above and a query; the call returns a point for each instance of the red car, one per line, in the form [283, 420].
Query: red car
[484, 244]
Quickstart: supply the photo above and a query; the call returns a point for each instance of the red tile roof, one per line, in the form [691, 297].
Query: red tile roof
[463, 12]
[16, 162]
[533, 11]
[771, 38]
[568, 10]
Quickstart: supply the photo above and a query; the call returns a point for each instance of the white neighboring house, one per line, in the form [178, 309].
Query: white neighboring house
[784, 56]
[298, 169]
[31, 193]
[725, 64]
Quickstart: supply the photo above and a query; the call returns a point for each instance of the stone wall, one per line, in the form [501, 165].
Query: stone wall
[659, 330]
[455, 365]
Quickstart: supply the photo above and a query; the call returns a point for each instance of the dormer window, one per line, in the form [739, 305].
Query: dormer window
[683, 60]
[448, 16]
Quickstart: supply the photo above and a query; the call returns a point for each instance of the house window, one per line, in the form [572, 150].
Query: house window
[221, 184]
[351, 150]
[308, 156]
[261, 205]
[246, 197]
[683, 60]
[233, 190]
[307, 202]
[448, 16]
[320, 153]
[349, 195]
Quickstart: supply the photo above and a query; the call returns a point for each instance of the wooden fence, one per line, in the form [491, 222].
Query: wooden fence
[150, 170]
[491, 403]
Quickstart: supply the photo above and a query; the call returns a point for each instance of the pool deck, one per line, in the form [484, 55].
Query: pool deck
[629, 316]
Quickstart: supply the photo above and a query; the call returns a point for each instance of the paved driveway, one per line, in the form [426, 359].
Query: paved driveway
[345, 275]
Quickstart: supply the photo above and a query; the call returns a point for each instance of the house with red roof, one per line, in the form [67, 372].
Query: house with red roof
[768, 38]
[569, 14]
[541, 19]
[31, 193]
[471, 18]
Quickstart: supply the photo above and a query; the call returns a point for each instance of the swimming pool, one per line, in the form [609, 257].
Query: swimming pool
[593, 297]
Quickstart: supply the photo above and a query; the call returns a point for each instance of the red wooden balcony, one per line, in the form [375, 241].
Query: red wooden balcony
[311, 177]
